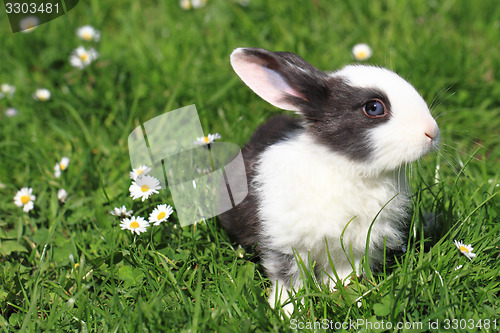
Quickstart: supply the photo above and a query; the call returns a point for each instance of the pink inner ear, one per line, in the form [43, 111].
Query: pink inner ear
[265, 82]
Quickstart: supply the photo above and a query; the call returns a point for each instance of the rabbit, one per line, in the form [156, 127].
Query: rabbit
[316, 182]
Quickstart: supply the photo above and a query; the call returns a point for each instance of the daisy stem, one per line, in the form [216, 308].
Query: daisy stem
[151, 237]
[101, 182]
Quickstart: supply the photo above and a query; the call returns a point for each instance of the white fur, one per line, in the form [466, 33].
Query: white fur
[307, 194]
[314, 192]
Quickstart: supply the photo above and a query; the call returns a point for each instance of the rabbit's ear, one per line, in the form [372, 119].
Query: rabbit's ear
[283, 79]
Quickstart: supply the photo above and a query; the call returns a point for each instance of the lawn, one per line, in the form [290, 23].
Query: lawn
[70, 267]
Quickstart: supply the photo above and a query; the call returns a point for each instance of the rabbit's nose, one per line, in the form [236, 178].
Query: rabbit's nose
[431, 130]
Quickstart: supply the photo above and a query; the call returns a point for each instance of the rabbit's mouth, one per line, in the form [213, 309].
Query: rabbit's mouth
[435, 140]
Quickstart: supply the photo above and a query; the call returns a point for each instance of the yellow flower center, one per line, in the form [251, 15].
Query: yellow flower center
[362, 55]
[62, 166]
[144, 188]
[140, 172]
[134, 224]
[76, 265]
[84, 56]
[25, 199]
[464, 249]
[205, 139]
[161, 215]
[87, 36]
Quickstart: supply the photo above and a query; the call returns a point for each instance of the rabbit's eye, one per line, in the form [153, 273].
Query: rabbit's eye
[374, 108]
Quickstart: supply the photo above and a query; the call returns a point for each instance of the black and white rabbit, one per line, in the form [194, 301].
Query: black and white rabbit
[338, 163]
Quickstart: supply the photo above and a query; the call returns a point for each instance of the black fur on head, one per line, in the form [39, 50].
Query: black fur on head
[340, 122]
[332, 108]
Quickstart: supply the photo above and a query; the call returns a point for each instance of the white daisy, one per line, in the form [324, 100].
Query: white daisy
[139, 172]
[24, 198]
[143, 187]
[207, 139]
[28, 24]
[7, 90]
[466, 250]
[61, 166]
[362, 52]
[185, 4]
[188, 4]
[198, 3]
[57, 170]
[11, 112]
[64, 163]
[160, 213]
[42, 95]
[81, 57]
[88, 33]
[135, 224]
[121, 212]
[62, 195]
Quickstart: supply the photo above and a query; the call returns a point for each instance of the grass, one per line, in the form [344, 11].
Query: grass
[70, 268]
